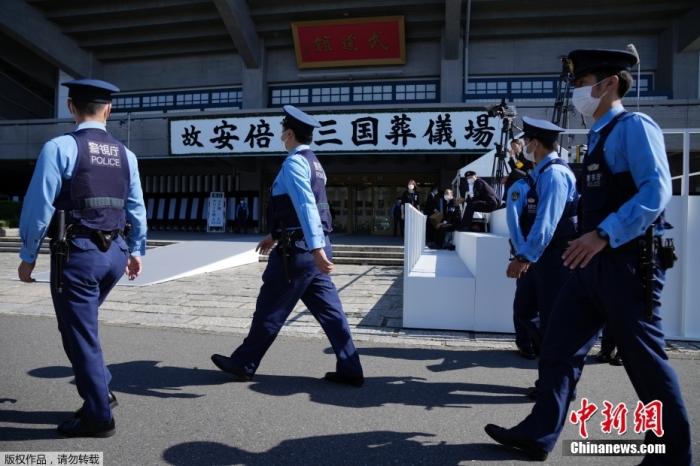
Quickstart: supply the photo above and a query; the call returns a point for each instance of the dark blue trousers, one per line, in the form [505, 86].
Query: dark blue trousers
[545, 280]
[89, 275]
[609, 291]
[276, 301]
[525, 320]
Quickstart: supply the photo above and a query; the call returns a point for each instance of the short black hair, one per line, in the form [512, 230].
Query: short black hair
[624, 85]
[549, 145]
[87, 108]
[302, 133]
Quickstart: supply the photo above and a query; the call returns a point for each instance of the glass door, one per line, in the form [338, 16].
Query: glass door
[383, 202]
[339, 200]
[364, 210]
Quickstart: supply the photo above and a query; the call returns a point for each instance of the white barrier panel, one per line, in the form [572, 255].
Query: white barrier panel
[439, 293]
[680, 299]
[414, 237]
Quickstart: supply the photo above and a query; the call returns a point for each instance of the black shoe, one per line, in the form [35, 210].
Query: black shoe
[355, 381]
[113, 403]
[526, 353]
[532, 393]
[603, 357]
[226, 364]
[508, 439]
[77, 428]
[616, 360]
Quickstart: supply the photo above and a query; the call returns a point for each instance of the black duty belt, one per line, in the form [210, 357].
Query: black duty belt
[102, 239]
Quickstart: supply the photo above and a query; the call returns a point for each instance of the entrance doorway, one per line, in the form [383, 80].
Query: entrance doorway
[365, 209]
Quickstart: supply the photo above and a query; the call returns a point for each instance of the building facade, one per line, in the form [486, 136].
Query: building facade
[401, 87]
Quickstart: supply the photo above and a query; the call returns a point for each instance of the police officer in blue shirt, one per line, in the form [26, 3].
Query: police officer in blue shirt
[627, 185]
[541, 216]
[93, 179]
[299, 266]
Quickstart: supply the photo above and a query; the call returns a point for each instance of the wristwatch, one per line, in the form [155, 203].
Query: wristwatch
[522, 259]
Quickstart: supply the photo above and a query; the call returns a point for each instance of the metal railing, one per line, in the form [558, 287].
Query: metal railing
[413, 237]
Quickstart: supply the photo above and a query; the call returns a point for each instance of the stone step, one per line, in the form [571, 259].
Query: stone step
[368, 248]
[15, 245]
[360, 261]
[369, 254]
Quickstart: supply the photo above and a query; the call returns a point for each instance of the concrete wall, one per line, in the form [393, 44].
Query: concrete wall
[541, 55]
[172, 73]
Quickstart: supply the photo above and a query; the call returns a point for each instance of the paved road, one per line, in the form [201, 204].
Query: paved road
[420, 405]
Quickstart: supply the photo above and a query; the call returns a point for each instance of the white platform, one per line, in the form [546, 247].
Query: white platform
[186, 259]
[469, 290]
[438, 293]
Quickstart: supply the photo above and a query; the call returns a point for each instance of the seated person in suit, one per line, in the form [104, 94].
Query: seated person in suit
[451, 218]
[479, 197]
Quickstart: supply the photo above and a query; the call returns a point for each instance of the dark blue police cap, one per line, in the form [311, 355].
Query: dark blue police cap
[299, 118]
[586, 61]
[91, 90]
[544, 130]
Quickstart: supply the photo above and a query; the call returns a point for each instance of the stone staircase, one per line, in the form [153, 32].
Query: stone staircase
[355, 254]
[13, 244]
[365, 255]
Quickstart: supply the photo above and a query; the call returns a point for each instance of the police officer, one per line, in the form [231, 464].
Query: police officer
[300, 264]
[92, 178]
[541, 216]
[626, 188]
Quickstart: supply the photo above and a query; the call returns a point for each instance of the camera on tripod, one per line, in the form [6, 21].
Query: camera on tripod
[501, 110]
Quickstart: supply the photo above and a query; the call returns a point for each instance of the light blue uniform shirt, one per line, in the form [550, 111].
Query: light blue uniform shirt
[555, 187]
[515, 203]
[635, 145]
[294, 179]
[55, 164]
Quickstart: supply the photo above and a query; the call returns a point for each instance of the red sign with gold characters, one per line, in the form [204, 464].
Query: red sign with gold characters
[350, 42]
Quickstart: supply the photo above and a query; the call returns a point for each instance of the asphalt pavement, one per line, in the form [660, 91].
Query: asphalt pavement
[420, 405]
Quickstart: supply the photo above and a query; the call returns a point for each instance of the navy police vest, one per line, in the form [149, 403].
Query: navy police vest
[96, 195]
[604, 192]
[566, 228]
[281, 213]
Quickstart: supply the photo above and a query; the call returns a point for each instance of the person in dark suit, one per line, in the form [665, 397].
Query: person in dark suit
[479, 197]
[451, 218]
[432, 206]
[410, 196]
[396, 216]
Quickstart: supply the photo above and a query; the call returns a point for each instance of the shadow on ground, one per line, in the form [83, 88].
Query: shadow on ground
[147, 378]
[451, 360]
[377, 447]
[380, 391]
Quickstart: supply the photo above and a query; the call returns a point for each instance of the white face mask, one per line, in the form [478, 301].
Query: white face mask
[584, 102]
[448, 198]
[471, 180]
[411, 187]
[530, 156]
